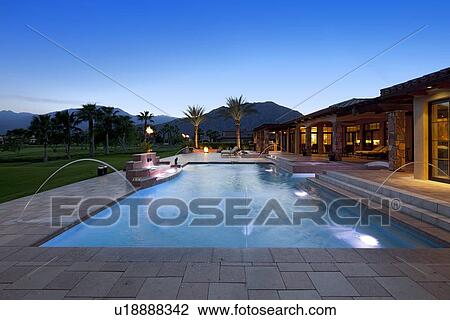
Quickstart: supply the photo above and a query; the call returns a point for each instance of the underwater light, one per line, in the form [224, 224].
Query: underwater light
[300, 193]
[369, 240]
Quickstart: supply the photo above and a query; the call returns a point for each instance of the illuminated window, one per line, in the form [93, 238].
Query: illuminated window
[440, 126]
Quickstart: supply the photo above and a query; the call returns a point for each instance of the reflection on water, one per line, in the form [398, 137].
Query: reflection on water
[257, 182]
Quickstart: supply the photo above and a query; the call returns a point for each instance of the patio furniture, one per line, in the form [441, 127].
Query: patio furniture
[378, 152]
[230, 153]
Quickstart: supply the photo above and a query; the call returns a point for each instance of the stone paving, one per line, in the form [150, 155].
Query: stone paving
[31, 272]
[220, 273]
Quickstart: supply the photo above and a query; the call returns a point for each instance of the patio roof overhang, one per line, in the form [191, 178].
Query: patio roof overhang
[419, 86]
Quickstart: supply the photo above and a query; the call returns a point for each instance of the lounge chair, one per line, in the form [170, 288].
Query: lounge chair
[230, 153]
[378, 152]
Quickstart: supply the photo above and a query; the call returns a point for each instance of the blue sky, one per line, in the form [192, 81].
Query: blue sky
[178, 53]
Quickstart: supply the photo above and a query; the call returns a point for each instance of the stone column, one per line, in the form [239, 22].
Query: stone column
[266, 139]
[320, 138]
[383, 133]
[338, 140]
[287, 140]
[308, 141]
[397, 139]
[277, 141]
[297, 139]
[362, 140]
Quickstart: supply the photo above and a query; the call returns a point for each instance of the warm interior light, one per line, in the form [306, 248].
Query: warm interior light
[205, 149]
[149, 130]
[376, 142]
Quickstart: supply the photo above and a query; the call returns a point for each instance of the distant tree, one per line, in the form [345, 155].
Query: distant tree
[213, 135]
[88, 113]
[165, 132]
[41, 126]
[106, 117]
[145, 117]
[66, 123]
[236, 109]
[15, 139]
[195, 114]
[123, 126]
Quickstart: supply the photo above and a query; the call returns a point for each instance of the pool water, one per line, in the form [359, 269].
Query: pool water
[256, 181]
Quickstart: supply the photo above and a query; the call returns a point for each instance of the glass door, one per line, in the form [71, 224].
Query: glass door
[440, 141]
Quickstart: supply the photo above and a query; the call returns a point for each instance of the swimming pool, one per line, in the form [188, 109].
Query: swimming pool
[257, 182]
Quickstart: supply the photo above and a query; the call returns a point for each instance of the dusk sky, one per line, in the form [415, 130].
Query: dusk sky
[179, 53]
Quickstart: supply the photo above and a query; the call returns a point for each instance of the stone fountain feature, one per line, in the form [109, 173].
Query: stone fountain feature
[146, 170]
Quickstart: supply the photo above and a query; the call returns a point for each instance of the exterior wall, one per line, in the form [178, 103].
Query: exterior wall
[421, 132]
[397, 139]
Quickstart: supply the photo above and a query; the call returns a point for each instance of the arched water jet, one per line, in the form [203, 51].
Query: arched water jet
[20, 218]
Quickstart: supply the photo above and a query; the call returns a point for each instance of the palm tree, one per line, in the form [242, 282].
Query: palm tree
[41, 126]
[123, 125]
[88, 113]
[195, 115]
[106, 116]
[236, 109]
[146, 117]
[66, 122]
[165, 131]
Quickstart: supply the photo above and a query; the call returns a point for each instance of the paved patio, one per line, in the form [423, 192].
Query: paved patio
[30, 272]
[405, 180]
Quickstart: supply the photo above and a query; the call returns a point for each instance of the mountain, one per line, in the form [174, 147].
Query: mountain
[266, 112]
[12, 120]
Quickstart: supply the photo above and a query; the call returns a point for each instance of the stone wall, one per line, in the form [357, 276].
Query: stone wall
[397, 139]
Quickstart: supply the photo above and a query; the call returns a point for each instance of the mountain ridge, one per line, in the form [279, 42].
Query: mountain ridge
[266, 112]
[13, 120]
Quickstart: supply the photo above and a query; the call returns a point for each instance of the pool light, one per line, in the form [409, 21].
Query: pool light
[369, 240]
[301, 194]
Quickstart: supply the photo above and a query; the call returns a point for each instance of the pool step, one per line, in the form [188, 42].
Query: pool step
[414, 223]
[431, 204]
[409, 209]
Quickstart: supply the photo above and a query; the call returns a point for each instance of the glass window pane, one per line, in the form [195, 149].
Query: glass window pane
[440, 112]
[440, 140]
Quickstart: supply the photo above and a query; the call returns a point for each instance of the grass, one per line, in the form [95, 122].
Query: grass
[20, 178]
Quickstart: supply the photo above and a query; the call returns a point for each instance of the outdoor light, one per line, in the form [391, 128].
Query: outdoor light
[430, 87]
[183, 135]
[205, 149]
[148, 130]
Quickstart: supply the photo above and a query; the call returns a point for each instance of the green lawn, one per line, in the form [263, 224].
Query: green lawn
[19, 178]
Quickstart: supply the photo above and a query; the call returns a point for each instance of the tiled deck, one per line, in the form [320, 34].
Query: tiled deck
[29, 272]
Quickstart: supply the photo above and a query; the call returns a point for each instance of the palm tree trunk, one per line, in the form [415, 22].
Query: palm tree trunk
[45, 150]
[196, 136]
[107, 143]
[91, 137]
[68, 150]
[145, 132]
[238, 135]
